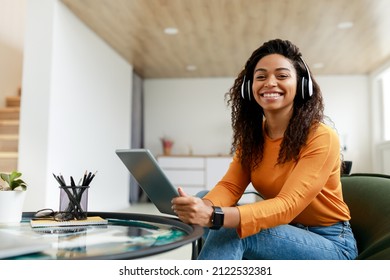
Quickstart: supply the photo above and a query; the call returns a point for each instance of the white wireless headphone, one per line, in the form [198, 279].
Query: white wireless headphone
[307, 86]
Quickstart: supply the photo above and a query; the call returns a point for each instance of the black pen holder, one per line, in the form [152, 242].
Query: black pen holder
[74, 200]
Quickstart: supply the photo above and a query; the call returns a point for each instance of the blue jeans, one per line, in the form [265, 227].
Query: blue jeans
[285, 242]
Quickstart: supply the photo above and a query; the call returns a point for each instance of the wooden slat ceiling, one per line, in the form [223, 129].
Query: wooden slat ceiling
[217, 36]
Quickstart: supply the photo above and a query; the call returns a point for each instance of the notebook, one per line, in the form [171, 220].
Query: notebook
[12, 245]
[151, 178]
[93, 220]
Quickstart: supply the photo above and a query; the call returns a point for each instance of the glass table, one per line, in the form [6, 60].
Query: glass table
[126, 236]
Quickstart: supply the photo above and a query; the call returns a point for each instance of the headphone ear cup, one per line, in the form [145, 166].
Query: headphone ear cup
[307, 88]
[246, 89]
[310, 87]
[307, 84]
[304, 88]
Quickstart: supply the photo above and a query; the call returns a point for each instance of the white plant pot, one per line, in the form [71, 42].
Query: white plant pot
[11, 206]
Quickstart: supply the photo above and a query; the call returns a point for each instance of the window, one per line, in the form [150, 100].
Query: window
[386, 105]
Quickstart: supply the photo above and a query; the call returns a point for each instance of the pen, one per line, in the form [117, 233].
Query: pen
[72, 183]
[59, 180]
[84, 178]
[62, 179]
[91, 177]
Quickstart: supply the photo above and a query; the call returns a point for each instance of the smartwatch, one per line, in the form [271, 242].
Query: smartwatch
[217, 218]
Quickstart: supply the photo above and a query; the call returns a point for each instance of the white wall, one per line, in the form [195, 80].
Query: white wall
[193, 112]
[190, 111]
[75, 109]
[12, 22]
[347, 103]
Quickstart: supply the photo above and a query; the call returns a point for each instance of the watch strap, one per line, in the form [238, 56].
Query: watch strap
[217, 218]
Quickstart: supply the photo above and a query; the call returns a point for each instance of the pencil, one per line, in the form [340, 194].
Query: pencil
[58, 179]
[90, 178]
[84, 178]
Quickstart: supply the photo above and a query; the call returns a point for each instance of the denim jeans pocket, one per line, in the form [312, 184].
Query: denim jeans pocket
[341, 235]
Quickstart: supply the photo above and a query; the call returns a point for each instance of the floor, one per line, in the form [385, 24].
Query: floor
[182, 253]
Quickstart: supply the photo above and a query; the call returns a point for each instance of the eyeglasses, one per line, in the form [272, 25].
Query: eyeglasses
[50, 214]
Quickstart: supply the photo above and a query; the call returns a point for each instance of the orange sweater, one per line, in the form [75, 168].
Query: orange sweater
[307, 191]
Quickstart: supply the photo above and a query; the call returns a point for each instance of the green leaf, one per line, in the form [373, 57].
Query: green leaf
[13, 181]
[5, 177]
[15, 175]
[18, 183]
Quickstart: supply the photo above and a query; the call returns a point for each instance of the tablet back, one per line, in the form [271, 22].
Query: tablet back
[151, 178]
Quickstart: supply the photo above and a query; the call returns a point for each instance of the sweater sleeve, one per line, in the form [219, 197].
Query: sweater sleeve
[230, 188]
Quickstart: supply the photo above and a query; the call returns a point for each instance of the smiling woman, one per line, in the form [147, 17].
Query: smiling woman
[283, 148]
[276, 68]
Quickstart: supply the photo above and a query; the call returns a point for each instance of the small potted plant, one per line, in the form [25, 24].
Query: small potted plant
[12, 196]
[167, 144]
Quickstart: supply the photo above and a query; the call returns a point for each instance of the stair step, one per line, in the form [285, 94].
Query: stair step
[9, 143]
[12, 101]
[9, 133]
[8, 161]
[9, 113]
[9, 126]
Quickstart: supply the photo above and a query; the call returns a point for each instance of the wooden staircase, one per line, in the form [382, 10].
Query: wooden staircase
[9, 134]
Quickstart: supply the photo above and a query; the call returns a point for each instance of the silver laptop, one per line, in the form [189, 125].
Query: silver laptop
[151, 178]
[12, 245]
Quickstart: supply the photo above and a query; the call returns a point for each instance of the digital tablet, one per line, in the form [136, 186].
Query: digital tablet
[151, 178]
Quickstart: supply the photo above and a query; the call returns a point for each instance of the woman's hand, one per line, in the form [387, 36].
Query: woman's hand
[192, 210]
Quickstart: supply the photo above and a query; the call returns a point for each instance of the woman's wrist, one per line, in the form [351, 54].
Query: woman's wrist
[232, 217]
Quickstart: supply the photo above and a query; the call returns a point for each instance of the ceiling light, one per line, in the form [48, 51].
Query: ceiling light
[171, 30]
[191, 67]
[318, 65]
[345, 25]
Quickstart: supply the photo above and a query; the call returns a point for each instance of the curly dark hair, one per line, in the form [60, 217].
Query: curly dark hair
[247, 116]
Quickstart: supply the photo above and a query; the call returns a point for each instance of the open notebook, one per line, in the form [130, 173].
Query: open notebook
[12, 245]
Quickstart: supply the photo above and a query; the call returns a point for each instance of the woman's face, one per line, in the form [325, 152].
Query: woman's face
[274, 83]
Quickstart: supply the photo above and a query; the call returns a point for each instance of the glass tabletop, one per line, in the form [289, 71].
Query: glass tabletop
[126, 236]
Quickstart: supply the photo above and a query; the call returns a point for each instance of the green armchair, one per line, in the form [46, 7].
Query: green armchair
[368, 198]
